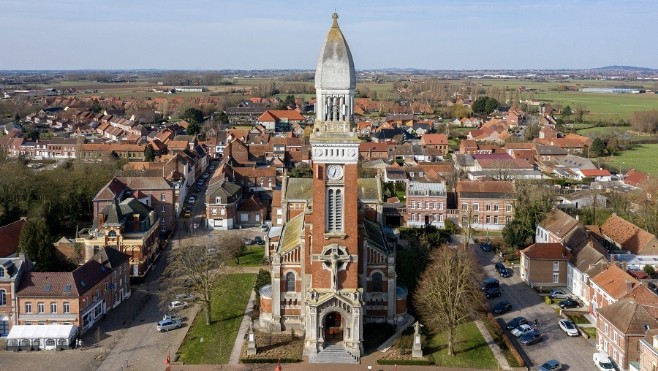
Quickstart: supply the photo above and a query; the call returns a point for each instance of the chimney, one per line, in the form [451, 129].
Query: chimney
[135, 222]
[101, 220]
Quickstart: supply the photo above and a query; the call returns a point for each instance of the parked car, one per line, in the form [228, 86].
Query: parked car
[568, 327]
[489, 283]
[172, 317]
[185, 297]
[249, 241]
[188, 212]
[502, 270]
[486, 247]
[602, 361]
[552, 365]
[531, 337]
[502, 307]
[168, 325]
[521, 330]
[177, 304]
[558, 294]
[199, 183]
[493, 292]
[568, 303]
[191, 200]
[205, 176]
[516, 322]
[264, 228]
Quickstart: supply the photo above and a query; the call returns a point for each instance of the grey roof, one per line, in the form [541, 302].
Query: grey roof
[375, 235]
[462, 159]
[227, 192]
[369, 189]
[335, 68]
[577, 162]
[423, 189]
[549, 150]
[299, 189]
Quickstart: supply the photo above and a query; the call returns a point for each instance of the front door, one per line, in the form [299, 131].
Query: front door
[333, 328]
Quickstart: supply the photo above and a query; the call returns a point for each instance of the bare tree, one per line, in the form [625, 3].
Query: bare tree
[448, 291]
[194, 268]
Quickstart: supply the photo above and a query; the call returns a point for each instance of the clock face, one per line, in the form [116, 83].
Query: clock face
[335, 172]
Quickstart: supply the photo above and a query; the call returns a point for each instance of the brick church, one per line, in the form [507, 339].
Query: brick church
[334, 267]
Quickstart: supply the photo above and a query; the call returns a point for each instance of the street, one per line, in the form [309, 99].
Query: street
[575, 353]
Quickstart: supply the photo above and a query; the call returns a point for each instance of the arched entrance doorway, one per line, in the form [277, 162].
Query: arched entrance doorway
[333, 327]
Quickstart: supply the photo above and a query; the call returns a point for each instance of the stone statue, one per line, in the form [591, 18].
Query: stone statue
[417, 350]
[334, 272]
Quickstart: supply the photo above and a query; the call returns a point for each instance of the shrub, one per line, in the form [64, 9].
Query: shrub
[406, 362]
[270, 360]
[548, 300]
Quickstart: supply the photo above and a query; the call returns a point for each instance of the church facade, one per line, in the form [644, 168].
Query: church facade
[334, 267]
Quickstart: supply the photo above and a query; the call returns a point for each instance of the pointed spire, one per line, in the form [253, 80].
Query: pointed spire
[335, 17]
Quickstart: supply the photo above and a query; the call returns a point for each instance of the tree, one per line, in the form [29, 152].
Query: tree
[193, 128]
[534, 200]
[484, 105]
[645, 121]
[648, 269]
[194, 268]
[458, 111]
[448, 292]
[33, 134]
[288, 102]
[37, 242]
[95, 106]
[302, 170]
[580, 111]
[597, 149]
[531, 131]
[149, 153]
[192, 114]
[17, 117]
[566, 111]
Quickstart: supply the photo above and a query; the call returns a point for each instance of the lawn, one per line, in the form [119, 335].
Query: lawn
[251, 257]
[471, 350]
[213, 344]
[590, 331]
[579, 319]
[641, 157]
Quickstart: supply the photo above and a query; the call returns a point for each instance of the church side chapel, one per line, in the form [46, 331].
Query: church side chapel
[333, 269]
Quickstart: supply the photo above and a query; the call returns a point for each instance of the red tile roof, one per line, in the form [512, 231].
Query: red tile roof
[434, 139]
[635, 178]
[9, 237]
[547, 251]
[615, 281]
[628, 236]
[595, 172]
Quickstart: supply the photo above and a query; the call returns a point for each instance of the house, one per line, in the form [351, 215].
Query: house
[624, 235]
[648, 351]
[252, 212]
[10, 237]
[587, 260]
[610, 286]
[279, 120]
[437, 141]
[559, 227]
[222, 201]
[581, 200]
[426, 204]
[599, 175]
[78, 298]
[372, 151]
[635, 178]
[11, 272]
[485, 204]
[544, 264]
[619, 329]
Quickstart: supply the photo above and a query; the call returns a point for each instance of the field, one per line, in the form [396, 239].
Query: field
[643, 157]
[603, 107]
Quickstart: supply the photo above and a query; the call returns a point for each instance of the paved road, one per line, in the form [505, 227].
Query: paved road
[575, 353]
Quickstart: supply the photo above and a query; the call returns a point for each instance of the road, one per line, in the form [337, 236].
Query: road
[575, 353]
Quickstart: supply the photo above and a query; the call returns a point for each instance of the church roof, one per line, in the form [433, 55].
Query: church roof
[335, 68]
[293, 233]
[375, 235]
[299, 189]
[369, 189]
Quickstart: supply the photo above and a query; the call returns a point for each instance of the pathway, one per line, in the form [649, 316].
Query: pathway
[244, 327]
[500, 357]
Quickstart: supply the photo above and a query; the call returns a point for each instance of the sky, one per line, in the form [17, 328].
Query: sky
[272, 34]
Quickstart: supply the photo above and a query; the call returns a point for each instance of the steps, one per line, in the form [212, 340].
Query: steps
[334, 353]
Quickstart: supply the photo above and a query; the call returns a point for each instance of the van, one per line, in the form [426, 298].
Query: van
[489, 283]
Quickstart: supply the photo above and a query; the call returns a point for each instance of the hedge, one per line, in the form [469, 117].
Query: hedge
[270, 360]
[405, 362]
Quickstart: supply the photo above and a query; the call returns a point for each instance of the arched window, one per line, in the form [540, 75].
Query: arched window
[290, 281]
[377, 282]
[112, 234]
[3, 297]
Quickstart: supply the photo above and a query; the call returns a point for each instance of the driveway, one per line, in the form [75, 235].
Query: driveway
[575, 353]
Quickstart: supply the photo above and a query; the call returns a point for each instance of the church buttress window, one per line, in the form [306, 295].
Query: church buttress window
[290, 282]
[377, 282]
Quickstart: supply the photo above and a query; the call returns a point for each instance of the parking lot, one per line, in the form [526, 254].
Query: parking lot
[575, 353]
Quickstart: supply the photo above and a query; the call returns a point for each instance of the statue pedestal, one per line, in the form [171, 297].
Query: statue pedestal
[251, 345]
[417, 351]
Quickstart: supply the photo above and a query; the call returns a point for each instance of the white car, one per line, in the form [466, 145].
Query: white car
[602, 361]
[185, 297]
[521, 330]
[558, 294]
[167, 325]
[171, 317]
[177, 304]
[568, 327]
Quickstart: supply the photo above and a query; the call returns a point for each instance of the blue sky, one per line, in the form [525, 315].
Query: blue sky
[269, 34]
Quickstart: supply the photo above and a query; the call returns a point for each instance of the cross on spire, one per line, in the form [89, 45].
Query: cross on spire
[335, 18]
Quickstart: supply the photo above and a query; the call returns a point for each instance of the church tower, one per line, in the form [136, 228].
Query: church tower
[333, 267]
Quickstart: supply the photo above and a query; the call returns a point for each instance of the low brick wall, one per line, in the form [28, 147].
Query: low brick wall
[506, 340]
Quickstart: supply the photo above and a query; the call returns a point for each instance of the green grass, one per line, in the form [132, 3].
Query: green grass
[251, 257]
[590, 331]
[604, 107]
[641, 157]
[579, 319]
[402, 195]
[471, 350]
[213, 344]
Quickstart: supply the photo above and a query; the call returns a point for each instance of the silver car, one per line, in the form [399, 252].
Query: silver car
[167, 325]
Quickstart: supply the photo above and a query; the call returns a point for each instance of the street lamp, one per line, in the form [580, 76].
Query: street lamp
[621, 176]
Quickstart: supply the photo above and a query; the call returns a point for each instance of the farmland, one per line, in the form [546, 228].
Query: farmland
[641, 157]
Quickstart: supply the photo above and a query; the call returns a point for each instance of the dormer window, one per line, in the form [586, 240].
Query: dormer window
[2, 272]
[112, 234]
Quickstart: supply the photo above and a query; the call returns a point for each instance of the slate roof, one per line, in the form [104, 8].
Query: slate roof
[227, 192]
[110, 257]
[547, 251]
[615, 281]
[559, 223]
[63, 284]
[375, 235]
[485, 189]
[628, 316]
[9, 237]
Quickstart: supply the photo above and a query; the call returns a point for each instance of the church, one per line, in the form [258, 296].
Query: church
[334, 267]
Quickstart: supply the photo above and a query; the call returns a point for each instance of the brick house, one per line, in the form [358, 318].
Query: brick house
[426, 204]
[11, 272]
[251, 212]
[10, 236]
[624, 235]
[649, 351]
[620, 328]
[588, 260]
[558, 226]
[222, 201]
[372, 151]
[544, 264]
[610, 286]
[485, 204]
[78, 298]
[436, 141]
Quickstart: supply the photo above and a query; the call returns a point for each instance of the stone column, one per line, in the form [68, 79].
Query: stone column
[391, 279]
[251, 344]
[276, 292]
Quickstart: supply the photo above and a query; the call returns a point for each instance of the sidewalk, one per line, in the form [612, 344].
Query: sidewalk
[495, 349]
[244, 327]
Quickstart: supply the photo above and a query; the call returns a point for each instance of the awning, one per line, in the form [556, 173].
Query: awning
[42, 332]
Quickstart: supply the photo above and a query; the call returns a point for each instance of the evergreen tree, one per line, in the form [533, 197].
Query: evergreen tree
[149, 153]
[37, 242]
